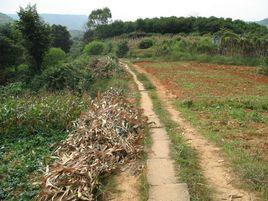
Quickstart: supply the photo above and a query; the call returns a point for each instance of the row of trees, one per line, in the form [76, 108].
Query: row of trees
[103, 29]
[28, 40]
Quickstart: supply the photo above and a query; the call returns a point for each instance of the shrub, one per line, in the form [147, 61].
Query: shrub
[206, 46]
[94, 48]
[146, 43]
[73, 76]
[109, 47]
[54, 56]
[122, 49]
[13, 89]
[164, 48]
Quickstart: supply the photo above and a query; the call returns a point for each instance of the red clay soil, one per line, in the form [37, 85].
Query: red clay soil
[194, 80]
[209, 79]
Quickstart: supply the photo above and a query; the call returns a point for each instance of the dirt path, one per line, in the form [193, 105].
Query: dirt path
[164, 185]
[213, 163]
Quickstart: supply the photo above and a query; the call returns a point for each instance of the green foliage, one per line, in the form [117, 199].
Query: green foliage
[61, 37]
[94, 48]
[53, 57]
[99, 17]
[146, 43]
[31, 127]
[74, 76]
[11, 50]
[178, 25]
[265, 67]
[164, 48]
[38, 114]
[205, 45]
[36, 35]
[13, 89]
[122, 49]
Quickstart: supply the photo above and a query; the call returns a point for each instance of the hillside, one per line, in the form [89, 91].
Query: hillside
[72, 22]
[263, 22]
[4, 19]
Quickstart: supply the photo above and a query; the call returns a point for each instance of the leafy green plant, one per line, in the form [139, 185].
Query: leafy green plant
[94, 48]
[75, 75]
[31, 127]
[146, 43]
[54, 56]
[122, 49]
[13, 89]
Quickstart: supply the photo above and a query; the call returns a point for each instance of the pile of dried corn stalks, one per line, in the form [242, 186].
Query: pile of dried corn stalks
[105, 137]
[105, 67]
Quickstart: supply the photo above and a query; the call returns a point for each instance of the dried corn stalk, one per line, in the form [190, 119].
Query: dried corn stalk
[105, 67]
[105, 137]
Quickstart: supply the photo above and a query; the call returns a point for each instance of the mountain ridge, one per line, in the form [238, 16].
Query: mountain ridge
[72, 22]
[263, 22]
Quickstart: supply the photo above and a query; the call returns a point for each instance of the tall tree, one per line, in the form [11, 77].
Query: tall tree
[61, 37]
[99, 17]
[36, 35]
[11, 50]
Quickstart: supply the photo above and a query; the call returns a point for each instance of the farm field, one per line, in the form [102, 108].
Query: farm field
[228, 105]
[133, 105]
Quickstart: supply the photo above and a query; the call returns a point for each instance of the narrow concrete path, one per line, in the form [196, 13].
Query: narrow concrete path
[164, 185]
[214, 165]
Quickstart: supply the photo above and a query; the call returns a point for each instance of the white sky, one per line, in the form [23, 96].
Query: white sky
[248, 10]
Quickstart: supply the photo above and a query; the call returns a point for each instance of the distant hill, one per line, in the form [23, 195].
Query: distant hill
[4, 19]
[263, 22]
[72, 22]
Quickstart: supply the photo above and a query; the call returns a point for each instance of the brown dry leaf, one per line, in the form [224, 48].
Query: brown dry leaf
[105, 137]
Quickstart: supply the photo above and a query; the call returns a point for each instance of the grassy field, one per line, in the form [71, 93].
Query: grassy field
[229, 105]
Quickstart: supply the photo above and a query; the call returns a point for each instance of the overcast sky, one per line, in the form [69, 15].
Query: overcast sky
[249, 10]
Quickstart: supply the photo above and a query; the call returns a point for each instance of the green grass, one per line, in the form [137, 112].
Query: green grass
[242, 112]
[186, 159]
[31, 128]
[144, 186]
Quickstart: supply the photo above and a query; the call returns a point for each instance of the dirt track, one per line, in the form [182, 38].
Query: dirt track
[161, 175]
[213, 163]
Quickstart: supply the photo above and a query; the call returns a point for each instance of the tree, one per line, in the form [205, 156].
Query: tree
[53, 57]
[10, 48]
[94, 48]
[36, 35]
[99, 17]
[61, 37]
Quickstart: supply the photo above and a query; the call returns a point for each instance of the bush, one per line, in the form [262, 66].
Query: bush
[122, 49]
[164, 48]
[72, 76]
[146, 43]
[109, 48]
[94, 48]
[206, 46]
[54, 56]
[13, 89]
